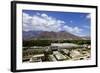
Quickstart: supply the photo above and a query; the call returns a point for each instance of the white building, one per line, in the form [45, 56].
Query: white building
[64, 45]
[52, 58]
[75, 53]
[59, 56]
[36, 58]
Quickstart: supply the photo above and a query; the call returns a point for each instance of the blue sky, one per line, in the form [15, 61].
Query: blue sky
[75, 23]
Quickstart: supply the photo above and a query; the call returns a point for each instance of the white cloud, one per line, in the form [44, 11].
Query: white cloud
[88, 16]
[44, 15]
[74, 30]
[43, 22]
[86, 26]
[26, 18]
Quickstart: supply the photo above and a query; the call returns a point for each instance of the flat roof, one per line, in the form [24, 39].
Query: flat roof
[38, 55]
[64, 44]
[52, 57]
[59, 56]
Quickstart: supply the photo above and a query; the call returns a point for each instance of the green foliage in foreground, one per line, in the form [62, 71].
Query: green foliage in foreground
[48, 42]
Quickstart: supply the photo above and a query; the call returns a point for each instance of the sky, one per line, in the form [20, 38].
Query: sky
[74, 22]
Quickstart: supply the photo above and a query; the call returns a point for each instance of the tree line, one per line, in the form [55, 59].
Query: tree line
[48, 42]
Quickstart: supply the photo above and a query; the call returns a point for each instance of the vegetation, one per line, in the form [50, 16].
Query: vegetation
[48, 42]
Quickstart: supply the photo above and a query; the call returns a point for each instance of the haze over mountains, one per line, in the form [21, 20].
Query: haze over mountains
[50, 35]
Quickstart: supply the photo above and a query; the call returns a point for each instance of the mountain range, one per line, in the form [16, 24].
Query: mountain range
[50, 35]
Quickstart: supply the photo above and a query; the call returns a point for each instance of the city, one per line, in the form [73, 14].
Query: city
[56, 52]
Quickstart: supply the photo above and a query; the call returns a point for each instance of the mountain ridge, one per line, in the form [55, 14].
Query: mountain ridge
[50, 35]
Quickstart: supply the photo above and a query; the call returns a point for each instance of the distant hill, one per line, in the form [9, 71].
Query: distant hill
[62, 35]
[27, 35]
[57, 36]
[86, 38]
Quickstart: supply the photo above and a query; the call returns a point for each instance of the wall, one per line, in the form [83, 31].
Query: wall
[5, 37]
